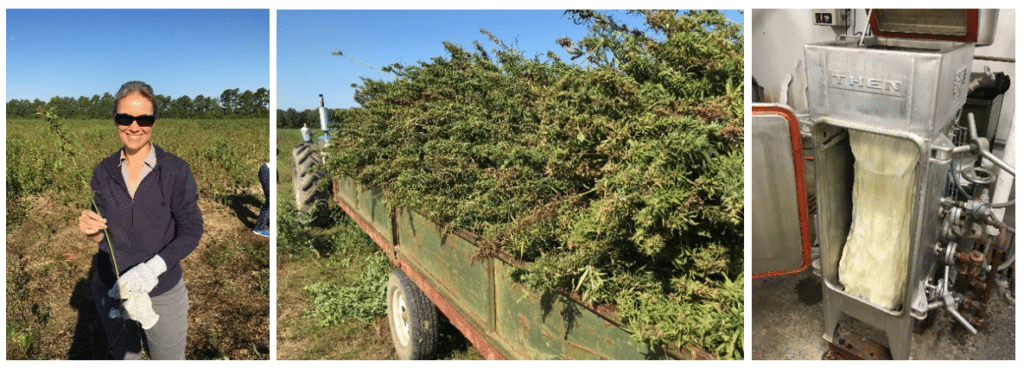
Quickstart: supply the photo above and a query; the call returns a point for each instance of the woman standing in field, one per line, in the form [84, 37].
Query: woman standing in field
[148, 202]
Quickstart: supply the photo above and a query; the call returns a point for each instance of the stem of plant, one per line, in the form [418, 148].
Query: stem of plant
[106, 236]
[117, 273]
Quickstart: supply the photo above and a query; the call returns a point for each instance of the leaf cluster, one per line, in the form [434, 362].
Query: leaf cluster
[619, 178]
[49, 160]
[333, 304]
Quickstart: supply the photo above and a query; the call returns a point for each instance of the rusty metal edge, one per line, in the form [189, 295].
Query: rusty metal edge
[606, 312]
[478, 340]
[857, 347]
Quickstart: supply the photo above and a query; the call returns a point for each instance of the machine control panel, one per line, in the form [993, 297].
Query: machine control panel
[832, 17]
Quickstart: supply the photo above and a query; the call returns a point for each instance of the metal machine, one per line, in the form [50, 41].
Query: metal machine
[897, 228]
[324, 139]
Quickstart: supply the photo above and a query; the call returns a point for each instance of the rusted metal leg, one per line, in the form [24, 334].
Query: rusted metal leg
[848, 345]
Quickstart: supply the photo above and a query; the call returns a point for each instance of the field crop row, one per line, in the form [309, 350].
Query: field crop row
[224, 154]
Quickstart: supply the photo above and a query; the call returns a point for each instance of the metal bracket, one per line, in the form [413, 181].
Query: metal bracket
[848, 345]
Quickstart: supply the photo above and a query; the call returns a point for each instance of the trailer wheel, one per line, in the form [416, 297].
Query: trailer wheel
[304, 183]
[412, 318]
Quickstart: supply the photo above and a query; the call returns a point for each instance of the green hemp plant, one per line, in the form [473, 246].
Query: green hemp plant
[616, 176]
[121, 313]
[110, 245]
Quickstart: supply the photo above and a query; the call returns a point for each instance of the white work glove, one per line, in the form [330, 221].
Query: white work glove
[140, 308]
[141, 278]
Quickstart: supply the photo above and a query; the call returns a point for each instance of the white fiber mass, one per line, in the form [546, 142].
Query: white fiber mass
[874, 261]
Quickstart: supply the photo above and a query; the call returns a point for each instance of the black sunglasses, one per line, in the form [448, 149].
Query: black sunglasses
[143, 120]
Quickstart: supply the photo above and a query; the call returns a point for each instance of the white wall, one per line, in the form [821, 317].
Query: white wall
[778, 37]
[777, 43]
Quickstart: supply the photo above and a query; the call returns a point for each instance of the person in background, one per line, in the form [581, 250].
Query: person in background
[148, 220]
[262, 227]
[306, 138]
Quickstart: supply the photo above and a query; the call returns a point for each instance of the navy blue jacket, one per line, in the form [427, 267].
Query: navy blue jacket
[164, 218]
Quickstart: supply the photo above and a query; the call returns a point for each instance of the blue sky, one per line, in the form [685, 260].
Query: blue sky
[178, 52]
[305, 39]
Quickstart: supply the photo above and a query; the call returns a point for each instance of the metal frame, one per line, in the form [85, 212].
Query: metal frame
[834, 185]
[767, 193]
[907, 89]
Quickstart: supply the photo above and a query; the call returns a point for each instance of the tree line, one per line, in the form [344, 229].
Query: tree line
[231, 104]
[293, 119]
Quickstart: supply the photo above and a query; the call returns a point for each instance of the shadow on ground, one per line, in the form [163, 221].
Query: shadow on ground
[243, 206]
[89, 341]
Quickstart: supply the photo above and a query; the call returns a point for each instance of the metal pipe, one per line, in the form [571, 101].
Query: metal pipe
[999, 162]
[1002, 243]
[962, 148]
[1009, 261]
[987, 77]
[993, 220]
[940, 290]
[992, 58]
[1005, 182]
[981, 150]
[971, 128]
[867, 24]
[1004, 204]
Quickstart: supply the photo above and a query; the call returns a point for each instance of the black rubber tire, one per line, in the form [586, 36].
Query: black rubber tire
[302, 160]
[304, 183]
[295, 168]
[412, 319]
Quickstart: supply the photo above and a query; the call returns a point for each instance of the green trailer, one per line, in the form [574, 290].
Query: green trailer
[498, 316]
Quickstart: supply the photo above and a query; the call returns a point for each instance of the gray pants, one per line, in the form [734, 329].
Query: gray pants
[166, 339]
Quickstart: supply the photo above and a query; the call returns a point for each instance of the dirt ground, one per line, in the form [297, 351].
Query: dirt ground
[50, 312]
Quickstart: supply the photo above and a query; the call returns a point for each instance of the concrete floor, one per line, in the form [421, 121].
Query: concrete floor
[787, 323]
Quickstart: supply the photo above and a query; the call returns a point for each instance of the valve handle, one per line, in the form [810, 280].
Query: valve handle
[951, 308]
[981, 146]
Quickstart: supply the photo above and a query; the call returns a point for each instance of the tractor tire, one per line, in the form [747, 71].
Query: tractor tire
[305, 157]
[412, 318]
